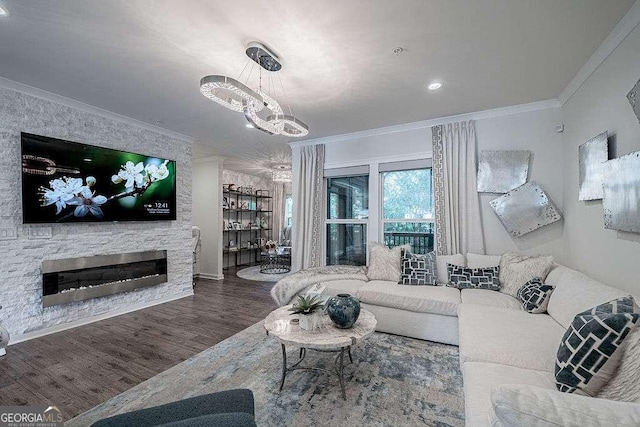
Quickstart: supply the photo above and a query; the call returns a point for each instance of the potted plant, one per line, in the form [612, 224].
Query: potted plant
[308, 308]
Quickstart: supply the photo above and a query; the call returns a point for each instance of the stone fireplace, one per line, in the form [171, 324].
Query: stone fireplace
[78, 279]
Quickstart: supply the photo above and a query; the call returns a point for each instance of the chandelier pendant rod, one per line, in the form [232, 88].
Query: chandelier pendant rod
[286, 98]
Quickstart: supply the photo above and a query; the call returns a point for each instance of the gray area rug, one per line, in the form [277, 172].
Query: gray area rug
[393, 381]
[253, 273]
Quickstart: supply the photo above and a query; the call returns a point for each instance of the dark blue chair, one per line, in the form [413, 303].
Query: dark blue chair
[232, 408]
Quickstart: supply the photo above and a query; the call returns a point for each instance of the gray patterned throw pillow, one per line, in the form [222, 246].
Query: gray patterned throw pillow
[418, 269]
[474, 278]
[589, 351]
[534, 295]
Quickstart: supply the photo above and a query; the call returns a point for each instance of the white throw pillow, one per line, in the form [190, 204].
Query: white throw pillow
[624, 386]
[482, 261]
[516, 270]
[441, 263]
[384, 263]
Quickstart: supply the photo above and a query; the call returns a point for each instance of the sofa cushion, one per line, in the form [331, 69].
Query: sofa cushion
[509, 337]
[421, 299]
[441, 264]
[492, 298]
[526, 405]
[474, 278]
[516, 270]
[534, 295]
[384, 263]
[576, 292]
[417, 269]
[482, 261]
[479, 378]
[590, 350]
[348, 286]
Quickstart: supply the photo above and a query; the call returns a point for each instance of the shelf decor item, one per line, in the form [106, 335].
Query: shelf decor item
[309, 309]
[343, 310]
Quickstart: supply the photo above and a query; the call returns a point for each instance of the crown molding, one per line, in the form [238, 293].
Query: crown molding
[479, 115]
[621, 31]
[81, 106]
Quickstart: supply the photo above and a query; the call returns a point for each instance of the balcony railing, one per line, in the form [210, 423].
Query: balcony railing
[421, 243]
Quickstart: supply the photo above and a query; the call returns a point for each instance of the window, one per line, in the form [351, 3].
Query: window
[288, 210]
[347, 218]
[407, 209]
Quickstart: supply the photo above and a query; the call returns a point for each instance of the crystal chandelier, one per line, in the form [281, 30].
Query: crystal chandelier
[281, 173]
[236, 96]
[281, 176]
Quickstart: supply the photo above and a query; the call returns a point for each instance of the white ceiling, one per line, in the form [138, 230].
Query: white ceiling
[144, 58]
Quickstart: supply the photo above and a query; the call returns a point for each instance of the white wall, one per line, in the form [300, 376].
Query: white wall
[21, 258]
[207, 214]
[532, 130]
[601, 105]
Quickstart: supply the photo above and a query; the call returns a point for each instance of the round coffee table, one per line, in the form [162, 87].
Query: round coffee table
[326, 338]
[275, 263]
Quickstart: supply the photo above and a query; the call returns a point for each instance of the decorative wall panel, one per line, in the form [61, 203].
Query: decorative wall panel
[621, 202]
[634, 99]
[591, 157]
[502, 171]
[525, 209]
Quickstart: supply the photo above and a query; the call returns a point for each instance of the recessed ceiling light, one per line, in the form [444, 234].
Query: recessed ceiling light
[3, 11]
[249, 125]
[434, 86]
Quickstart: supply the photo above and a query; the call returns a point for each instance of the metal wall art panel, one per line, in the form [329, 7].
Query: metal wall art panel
[502, 171]
[634, 99]
[525, 209]
[591, 157]
[621, 201]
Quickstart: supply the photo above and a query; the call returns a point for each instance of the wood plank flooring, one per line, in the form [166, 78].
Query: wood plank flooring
[79, 368]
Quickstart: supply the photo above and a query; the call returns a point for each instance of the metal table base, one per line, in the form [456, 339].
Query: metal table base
[338, 364]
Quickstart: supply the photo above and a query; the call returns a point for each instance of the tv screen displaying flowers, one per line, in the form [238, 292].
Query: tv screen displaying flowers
[65, 181]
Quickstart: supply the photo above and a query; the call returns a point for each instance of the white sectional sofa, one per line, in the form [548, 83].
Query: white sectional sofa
[500, 343]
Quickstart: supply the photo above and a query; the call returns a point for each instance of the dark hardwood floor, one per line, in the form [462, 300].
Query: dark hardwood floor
[79, 368]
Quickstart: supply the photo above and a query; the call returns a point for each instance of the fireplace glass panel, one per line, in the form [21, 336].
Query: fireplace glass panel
[54, 283]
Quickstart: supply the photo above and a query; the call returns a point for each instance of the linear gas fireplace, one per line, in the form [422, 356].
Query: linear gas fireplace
[79, 279]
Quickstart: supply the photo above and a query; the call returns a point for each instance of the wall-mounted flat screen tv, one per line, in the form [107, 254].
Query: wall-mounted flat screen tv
[65, 181]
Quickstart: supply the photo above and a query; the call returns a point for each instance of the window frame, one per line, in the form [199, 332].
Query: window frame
[328, 221]
[383, 220]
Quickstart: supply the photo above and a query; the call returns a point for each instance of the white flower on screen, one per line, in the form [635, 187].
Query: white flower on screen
[157, 173]
[61, 192]
[131, 173]
[87, 202]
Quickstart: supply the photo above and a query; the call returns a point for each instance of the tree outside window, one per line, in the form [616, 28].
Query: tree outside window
[408, 209]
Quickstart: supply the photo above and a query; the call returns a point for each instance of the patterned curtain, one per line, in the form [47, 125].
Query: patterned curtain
[308, 207]
[457, 205]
